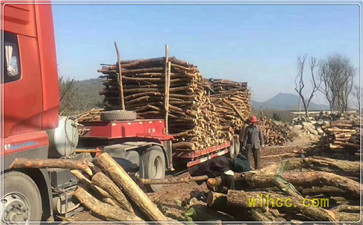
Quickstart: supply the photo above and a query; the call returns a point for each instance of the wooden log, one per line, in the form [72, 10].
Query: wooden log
[105, 210]
[243, 117]
[217, 200]
[101, 180]
[130, 188]
[167, 87]
[342, 167]
[111, 202]
[203, 213]
[180, 62]
[322, 190]
[351, 217]
[120, 77]
[242, 199]
[52, 163]
[148, 70]
[316, 178]
[173, 180]
[184, 145]
[87, 184]
[347, 208]
[261, 215]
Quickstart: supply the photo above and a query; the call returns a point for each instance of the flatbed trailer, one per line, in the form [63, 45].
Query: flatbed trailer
[149, 132]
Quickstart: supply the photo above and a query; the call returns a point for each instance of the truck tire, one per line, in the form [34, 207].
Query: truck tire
[153, 166]
[118, 115]
[21, 200]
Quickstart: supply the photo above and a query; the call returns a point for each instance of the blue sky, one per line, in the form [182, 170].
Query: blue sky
[254, 43]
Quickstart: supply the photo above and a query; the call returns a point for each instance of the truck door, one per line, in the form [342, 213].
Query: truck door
[21, 83]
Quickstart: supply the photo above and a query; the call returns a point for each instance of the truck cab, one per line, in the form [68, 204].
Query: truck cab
[30, 107]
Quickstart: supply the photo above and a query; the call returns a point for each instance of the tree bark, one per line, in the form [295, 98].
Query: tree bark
[52, 163]
[217, 200]
[317, 178]
[87, 184]
[124, 181]
[103, 209]
[106, 183]
[173, 180]
[243, 199]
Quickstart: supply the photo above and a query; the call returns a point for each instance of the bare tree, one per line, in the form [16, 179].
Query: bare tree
[66, 95]
[337, 74]
[299, 81]
[357, 96]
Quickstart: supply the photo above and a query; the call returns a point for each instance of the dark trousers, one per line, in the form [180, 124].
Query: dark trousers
[256, 155]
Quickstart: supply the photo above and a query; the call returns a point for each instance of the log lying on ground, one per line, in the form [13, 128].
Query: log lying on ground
[217, 200]
[304, 179]
[203, 213]
[106, 183]
[343, 167]
[173, 180]
[317, 178]
[266, 176]
[52, 163]
[285, 180]
[266, 215]
[118, 175]
[88, 185]
[105, 210]
[342, 135]
[242, 199]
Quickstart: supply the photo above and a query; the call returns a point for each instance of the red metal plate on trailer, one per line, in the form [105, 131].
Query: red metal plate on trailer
[202, 152]
[128, 129]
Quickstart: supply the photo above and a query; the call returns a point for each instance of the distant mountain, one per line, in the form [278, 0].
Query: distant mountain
[285, 101]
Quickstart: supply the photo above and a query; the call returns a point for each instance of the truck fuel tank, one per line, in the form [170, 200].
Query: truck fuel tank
[64, 139]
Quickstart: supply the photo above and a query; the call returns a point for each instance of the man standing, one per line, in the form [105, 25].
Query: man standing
[253, 141]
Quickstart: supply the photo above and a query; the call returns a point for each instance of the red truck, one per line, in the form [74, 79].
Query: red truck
[32, 127]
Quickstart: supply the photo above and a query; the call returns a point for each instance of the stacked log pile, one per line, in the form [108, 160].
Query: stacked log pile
[194, 118]
[105, 189]
[232, 102]
[342, 135]
[318, 189]
[273, 133]
[94, 115]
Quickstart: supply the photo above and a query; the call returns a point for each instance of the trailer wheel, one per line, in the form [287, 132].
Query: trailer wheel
[153, 166]
[21, 201]
[118, 115]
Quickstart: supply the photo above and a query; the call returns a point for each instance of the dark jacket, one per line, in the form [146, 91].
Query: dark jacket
[253, 137]
[213, 168]
[217, 166]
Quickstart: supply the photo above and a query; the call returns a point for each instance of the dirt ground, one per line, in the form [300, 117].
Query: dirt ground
[172, 198]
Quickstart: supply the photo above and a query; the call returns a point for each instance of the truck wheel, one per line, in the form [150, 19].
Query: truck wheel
[120, 115]
[21, 200]
[153, 166]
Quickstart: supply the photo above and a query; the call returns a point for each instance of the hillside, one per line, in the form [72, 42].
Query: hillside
[81, 96]
[285, 101]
